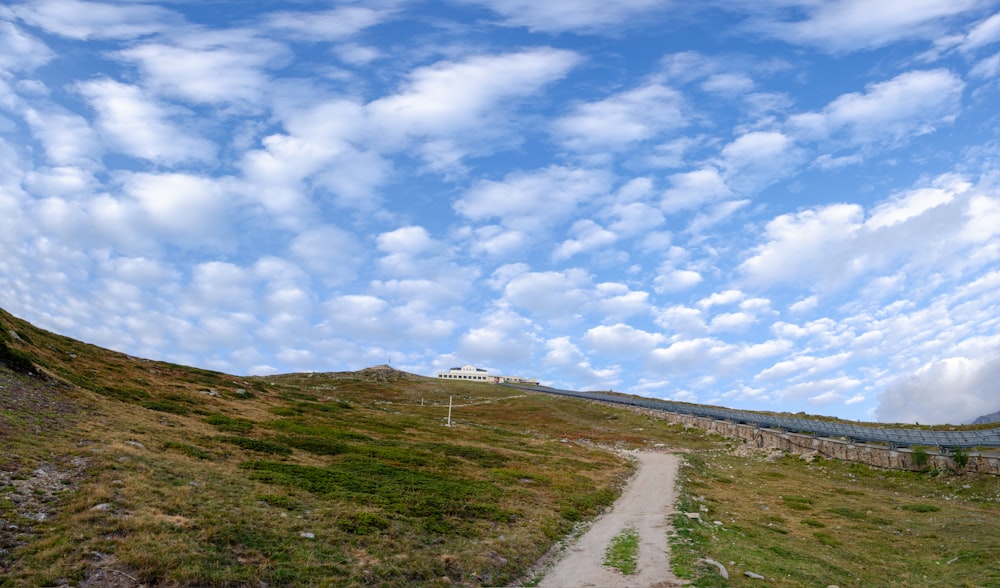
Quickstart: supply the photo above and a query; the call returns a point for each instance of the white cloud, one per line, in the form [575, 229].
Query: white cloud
[983, 33]
[215, 68]
[954, 390]
[805, 305]
[693, 189]
[588, 236]
[20, 51]
[502, 337]
[911, 104]
[634, 218]
[448, 97]
[687, 355]
[81, 20]
[987, 68]
[833, 245]
[622, 119]
[676, 280]
[188, 210]
[138, 126]
[568, 15]
[329, 25]
[622, 340]
[802, 366]
[411, 252]
[331, 254]
[553, 296]
[66, 136]
[728, 83]
[682, 319]
[725, 297]
[532, 201]
[731, 322]
[849, 25]
[758, 158]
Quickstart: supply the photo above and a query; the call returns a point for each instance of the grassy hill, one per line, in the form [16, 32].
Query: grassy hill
[120, 471]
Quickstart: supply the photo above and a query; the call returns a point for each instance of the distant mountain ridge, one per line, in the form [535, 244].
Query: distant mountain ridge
[987, 419]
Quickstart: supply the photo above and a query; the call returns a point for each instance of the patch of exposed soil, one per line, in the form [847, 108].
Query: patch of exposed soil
[646, 506]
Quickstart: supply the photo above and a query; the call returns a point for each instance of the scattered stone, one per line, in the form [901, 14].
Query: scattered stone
[717, 523]
[135, 444]
[306, 535]
[722, 569]
[693, 516]
[753, 575]
[211, 392]
[703, 508]
[101, 507]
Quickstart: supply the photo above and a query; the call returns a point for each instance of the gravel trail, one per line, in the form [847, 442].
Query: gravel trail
[646, 506]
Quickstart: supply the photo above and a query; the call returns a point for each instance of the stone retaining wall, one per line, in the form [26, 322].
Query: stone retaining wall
[872, 454]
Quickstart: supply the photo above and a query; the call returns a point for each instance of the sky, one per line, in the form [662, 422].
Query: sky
[782, 205]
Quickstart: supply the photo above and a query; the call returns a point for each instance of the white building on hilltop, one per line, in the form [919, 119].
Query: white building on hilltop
[471, 373]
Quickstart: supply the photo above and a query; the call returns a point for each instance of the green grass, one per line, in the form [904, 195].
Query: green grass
[860, 521]
[623, 552]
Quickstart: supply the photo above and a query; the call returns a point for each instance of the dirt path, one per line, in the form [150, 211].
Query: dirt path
[646, 506]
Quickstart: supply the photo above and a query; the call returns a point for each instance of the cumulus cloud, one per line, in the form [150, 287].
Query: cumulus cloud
[532, 201]
[850, 25]
[954, 390]
[833, 245]
[911, 104]
[330, 253]
[20, 51]
[568, 15]
[138, 126]
[622, 119]
[448, 96]
[622, 340]
[758, 158]
[329, 25]
[587, 236]
[81, 20]
[219, 68]
[67, 137]
[501, 337]
[693, 189]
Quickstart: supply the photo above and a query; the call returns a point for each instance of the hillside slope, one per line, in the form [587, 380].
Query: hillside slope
[121, 470]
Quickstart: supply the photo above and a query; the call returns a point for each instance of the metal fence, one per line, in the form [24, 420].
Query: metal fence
[857, 433]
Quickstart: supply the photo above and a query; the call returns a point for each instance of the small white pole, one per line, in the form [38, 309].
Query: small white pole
[449, 411]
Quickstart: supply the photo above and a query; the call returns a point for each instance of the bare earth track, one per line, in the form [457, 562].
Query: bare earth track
[646, 506]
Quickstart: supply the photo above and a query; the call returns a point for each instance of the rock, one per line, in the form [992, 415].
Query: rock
[306, 535]
[753, 575]
[210, 392]
[712, 562]
[135, 444]
[101, 507]
[693, 516]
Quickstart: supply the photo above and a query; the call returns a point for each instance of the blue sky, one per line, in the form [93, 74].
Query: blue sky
[779, 205]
